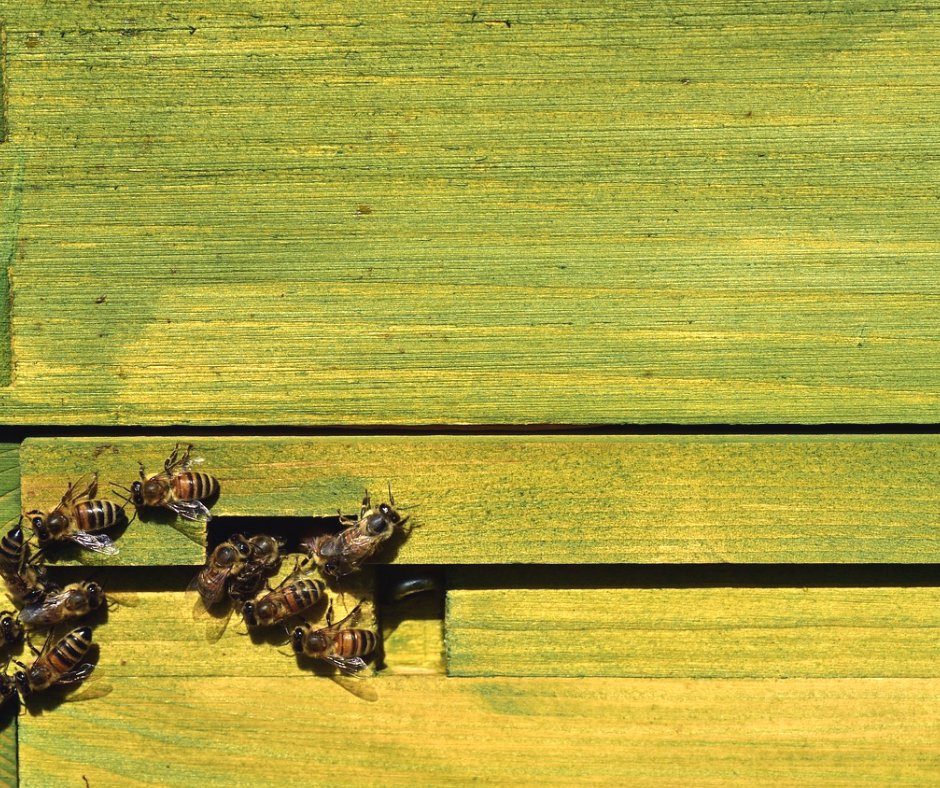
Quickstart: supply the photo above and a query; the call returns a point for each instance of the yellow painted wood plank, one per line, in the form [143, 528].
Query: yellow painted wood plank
[154, 634]
[695, 632]
[557, 499]
[8, 755]
[436, 731]
[291, 213]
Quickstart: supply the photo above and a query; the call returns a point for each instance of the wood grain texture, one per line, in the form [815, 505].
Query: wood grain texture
[696, 632]
[8, 755]
[9, 485]
[154, 634]
[298, 213]
[556, 499]
[436, 731]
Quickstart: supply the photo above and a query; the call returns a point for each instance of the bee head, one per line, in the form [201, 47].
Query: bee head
[297, 640]
[248, 613]
[137, 494]
[21, 681]
[11, 628]
[390, 513]
[95, 594]
[37, 520]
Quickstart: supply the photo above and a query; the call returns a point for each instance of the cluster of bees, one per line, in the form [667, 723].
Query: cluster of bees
[236, 575]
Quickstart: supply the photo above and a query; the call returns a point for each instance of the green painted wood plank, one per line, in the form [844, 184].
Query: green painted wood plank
[9, 484]
[695, 632]
[437, 731]
[557, 499]
[8, 755]
[290, 213]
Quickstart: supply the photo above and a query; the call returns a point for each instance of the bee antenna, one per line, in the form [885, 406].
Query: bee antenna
[391, 498]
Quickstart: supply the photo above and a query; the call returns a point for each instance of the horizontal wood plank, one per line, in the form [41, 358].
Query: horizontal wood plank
[287, 213]
[149, 633]
[554, 499]
[695, 632]
[437, 730]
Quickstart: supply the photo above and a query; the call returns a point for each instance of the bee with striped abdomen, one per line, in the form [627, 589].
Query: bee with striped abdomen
[78, 517]
[24, 576]
[73, 601]
[58, 664]
[343, 553]
[227, 559]
[296, 594]
[342, 648]
[177, 487]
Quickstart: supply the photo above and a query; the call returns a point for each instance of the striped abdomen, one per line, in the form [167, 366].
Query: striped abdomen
[298, 596]
[62, 658]
[353, 643]
[194, 486]
[97, 515]
[13, 550]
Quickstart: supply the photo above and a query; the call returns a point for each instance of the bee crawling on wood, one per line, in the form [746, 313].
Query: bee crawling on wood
[296, 594]
[342, 648]
[25, 576]
[58, 663]
[343, 553]
[227, 559]
[177, 487]
[73, 601]
[264, 559]
[78, 517]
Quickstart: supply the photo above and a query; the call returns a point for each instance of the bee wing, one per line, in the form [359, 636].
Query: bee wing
[349, 665]
[213, 586]
[358, 686]
[191, 510]
[95, 687]
[80, 673]
[43, 612]
[83, 488]
[216, 625]
[100, 543]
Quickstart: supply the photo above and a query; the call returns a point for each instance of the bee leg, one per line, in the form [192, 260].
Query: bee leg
[143, 475]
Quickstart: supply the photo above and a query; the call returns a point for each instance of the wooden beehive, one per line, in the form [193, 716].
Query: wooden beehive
[636, 306]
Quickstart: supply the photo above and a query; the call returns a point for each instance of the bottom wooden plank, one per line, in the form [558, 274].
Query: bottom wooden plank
[434, 730]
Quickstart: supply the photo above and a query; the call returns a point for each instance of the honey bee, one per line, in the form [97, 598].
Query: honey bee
[342, 648]
[227, 559]
[77, 517]
[59, 664]
[177, 487]
[25, 577]
[292, 597]
[343, 553]
[11, 630]
[264, 559]
[7, 688]
[266, 550]
[73, 601]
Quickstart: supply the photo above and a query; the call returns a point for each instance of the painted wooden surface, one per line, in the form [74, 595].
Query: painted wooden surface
[695, 632]
[297, 213]
[556, 499]
[437, 730]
